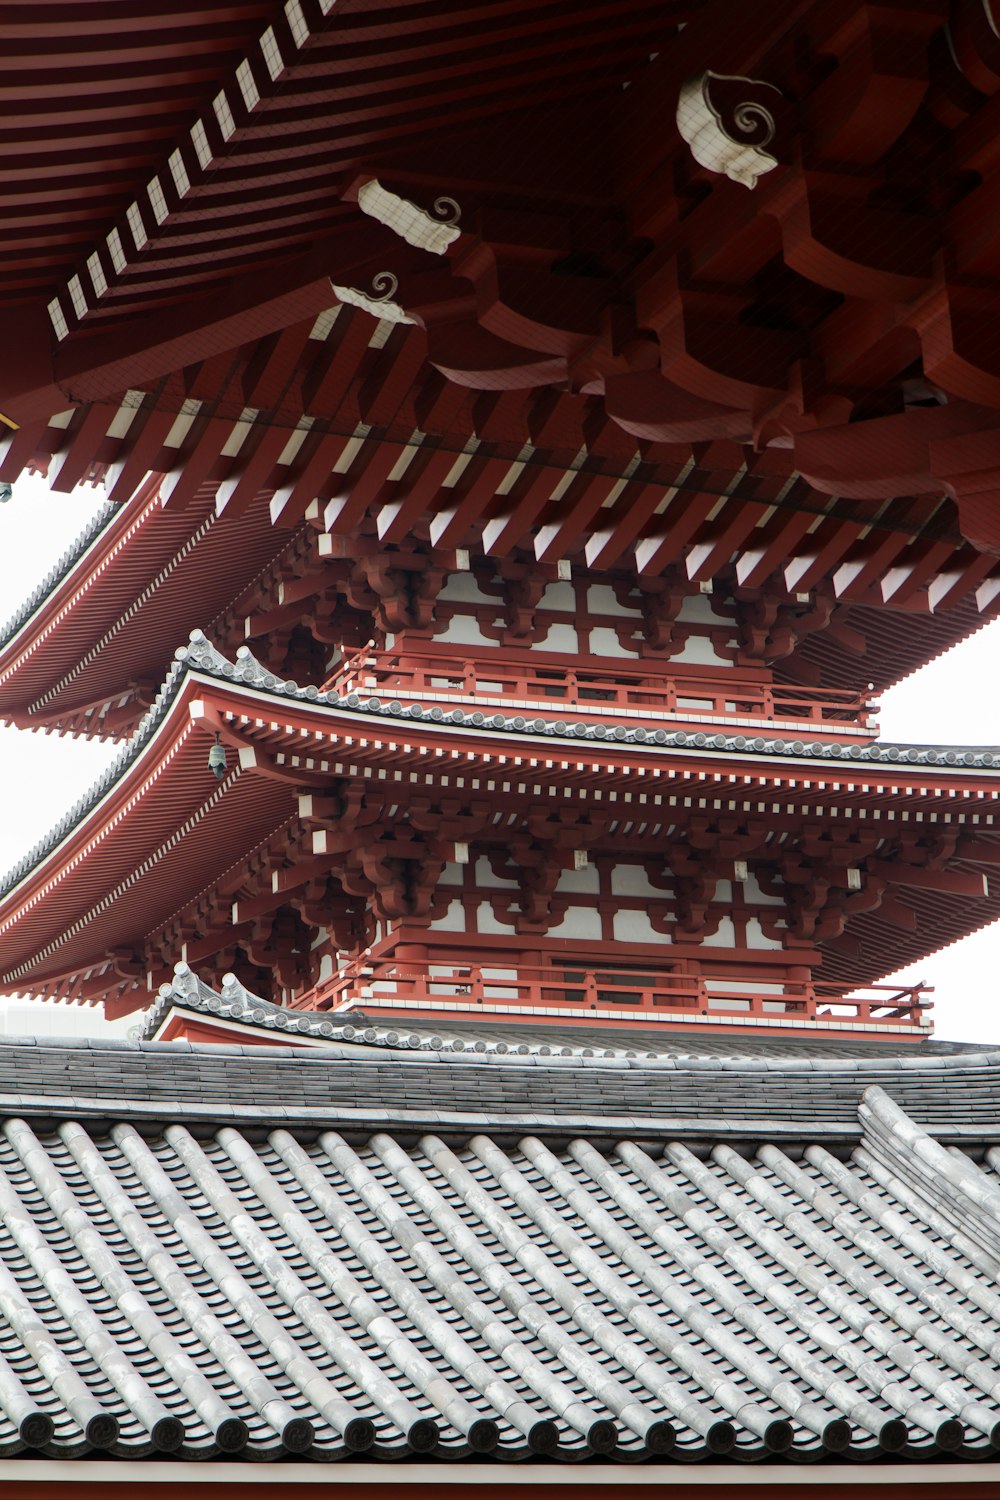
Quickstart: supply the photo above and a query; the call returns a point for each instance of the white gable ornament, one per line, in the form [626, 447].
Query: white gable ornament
[728, 138]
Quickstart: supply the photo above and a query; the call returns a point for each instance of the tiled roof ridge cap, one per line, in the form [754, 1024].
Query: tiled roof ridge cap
[247, 669]
[201, 656]
[943, 1182]
[236, 1003]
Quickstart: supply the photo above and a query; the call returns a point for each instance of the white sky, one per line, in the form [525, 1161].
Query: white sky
[952, 701]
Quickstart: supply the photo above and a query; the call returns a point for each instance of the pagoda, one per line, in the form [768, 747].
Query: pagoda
[531, 441]
[543, 521]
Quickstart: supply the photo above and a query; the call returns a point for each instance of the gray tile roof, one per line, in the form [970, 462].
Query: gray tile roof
[234, 1005]
[262, 1292]
[357, 1083]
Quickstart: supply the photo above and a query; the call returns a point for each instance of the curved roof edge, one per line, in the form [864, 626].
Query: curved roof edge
[202, 657]
[59, 572]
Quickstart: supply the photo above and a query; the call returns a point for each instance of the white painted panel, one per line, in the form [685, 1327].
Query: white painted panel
[605, 642]
[464, 629]
[724, 938]
[559, 596]
[452, 875]
[699, 652]
[632, 880]
[697, 610]
[463, 588]
[486, 922]
[757, 938]
[754, 896]
[452, 921]
[486, 879]
[561, 638]
[601, 601]
[582, 882]
[579, 922]
[635, 927]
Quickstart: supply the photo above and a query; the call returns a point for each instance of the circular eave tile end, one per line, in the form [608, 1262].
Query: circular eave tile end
[543, 1437]
[661, 1437]
[950, 1435]
[423, 1435]
[297, 1435]
[893, 1435]
[602, 1436]
[837, 1435]
[721, 1438]
[359, 1434]
[484, 1436]
[778, 1436]
[36, 1429]
[168, 1434]
[102, 1430]
[232, 1435]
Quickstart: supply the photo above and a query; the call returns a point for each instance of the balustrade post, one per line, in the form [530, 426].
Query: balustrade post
[590, 989]
[476, 986]
[571, 688]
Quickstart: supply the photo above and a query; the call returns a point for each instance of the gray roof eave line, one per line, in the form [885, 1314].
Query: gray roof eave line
[58, 574]
[249, 672]
[513, 1122]
[202, 659]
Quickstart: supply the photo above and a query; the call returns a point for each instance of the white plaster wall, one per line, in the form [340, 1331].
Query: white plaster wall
[632, 880]
[486, 922]
[579, 922]
[581, 882]
[724, 938]
[754, 896]
[757, 938]
[601, 601]
[463, 588]
[487, 880]
[605, 642]
[464, 630]
[452, 875]
[453, 920]
[745, 986]
[559, 596]
[697, 610]
[699, 652]
[561, 638]
[635, 927]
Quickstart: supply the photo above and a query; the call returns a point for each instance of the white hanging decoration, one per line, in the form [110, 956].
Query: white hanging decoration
[417, 227]
[379, 301]
[733, 146]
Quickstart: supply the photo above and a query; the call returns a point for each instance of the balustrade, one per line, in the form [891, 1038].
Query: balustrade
[558, 989]
[607, 690]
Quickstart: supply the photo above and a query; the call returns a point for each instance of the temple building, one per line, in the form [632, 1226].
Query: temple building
[531, 441]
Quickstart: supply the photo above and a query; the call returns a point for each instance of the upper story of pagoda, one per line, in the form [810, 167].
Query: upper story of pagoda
[812, 630]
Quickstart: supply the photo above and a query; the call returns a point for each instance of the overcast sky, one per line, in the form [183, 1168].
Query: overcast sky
[952, 701]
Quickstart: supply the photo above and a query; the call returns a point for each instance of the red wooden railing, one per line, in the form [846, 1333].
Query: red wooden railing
[606, 689]
[389, 981]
